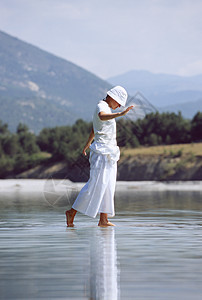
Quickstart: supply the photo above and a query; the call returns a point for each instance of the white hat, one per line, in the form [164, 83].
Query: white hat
[119, 94]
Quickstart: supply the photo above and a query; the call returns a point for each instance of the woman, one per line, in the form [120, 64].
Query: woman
[97, 196]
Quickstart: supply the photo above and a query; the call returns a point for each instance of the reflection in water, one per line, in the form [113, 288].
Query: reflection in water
[103, 265]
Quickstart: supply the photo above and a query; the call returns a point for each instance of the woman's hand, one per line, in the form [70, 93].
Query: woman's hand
[85, 148]
[123, 113]
[105, 117]
[89, 141]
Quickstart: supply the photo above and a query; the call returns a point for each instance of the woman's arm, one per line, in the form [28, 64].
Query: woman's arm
[105, 117]
[89, 141]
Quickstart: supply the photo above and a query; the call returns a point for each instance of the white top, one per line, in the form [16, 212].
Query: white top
[105, 133]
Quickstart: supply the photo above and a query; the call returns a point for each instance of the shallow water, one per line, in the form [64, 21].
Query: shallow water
[154, 252]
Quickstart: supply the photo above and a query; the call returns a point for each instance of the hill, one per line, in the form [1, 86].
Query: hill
[164, 91]
[43, 90]
[188, 109]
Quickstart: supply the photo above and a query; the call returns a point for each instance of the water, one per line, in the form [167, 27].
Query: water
[154, 252]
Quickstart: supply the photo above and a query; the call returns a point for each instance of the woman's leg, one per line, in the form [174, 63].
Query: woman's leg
[90, 197]
[107, 204]
[104, 221]
[70, 214]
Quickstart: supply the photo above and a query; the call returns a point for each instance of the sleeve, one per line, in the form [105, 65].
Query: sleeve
[101, 107]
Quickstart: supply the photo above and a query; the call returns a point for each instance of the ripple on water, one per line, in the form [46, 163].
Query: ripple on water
[154, 252]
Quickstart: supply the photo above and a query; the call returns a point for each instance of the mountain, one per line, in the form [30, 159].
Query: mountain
[188, 109]
[42, 90]
[162, 90]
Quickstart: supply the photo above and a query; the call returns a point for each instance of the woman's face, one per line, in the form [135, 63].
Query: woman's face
[113, 104]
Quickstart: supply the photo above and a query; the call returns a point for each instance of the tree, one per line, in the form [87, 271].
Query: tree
[26, 140]
[3, 128]
[22, 128]
[10, 145]
[196, 127]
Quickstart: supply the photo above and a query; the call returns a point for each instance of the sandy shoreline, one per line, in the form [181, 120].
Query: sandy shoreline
[38, 185]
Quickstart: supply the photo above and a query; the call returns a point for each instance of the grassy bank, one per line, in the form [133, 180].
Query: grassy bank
[167, 163]
[194, 149]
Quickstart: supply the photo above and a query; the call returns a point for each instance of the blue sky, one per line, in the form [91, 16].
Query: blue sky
[111, 37]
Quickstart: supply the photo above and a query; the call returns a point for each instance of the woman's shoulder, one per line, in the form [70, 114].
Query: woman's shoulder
[102, 105]
[102, 102]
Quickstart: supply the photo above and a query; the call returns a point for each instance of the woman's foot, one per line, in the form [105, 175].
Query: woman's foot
[70, 214]
[104, 221]
[105, 224]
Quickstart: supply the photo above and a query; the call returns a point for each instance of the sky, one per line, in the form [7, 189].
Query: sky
[112, 37]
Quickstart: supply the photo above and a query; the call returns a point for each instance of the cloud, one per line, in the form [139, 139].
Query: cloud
[109, 37]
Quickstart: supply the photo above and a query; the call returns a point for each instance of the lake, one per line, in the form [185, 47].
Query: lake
[154, 252]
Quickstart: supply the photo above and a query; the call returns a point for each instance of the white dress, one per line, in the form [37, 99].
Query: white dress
[97, 196]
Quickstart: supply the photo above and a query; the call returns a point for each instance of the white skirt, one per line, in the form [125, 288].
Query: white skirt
[97, 196]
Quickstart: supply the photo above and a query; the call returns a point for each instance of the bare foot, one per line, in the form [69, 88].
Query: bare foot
[105, 224]
[70, 218]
